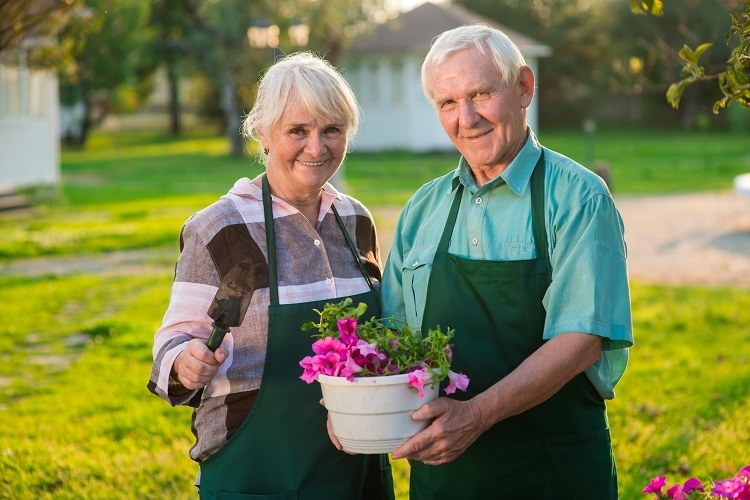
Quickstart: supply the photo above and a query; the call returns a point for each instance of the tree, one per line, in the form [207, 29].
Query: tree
[103, 58]
[31, 19]
[171, 46]
[733, 81]
[219, 39]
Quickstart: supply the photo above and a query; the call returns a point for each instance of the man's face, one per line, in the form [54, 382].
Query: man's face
[484, 118]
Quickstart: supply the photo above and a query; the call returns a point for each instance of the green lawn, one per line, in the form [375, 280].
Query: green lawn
[76, 420]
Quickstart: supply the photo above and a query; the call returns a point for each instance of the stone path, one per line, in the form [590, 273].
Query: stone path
[695, 238]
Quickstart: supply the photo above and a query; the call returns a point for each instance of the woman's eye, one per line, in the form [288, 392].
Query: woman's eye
[297, 131]
[332, 132]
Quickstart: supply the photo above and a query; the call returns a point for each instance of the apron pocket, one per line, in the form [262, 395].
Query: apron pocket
[579, 466]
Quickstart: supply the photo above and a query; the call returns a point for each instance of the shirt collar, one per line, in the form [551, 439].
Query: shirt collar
[248, 188]
[517, 176]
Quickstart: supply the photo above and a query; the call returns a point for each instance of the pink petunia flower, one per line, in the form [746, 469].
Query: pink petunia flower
[729, 488]
[744, 474]
[457, 381]
[329, 344]
[351, 367]
[655, 485]
[681, 492]
[348, 330]
[327, 364]
[418, 379]
[309, 374]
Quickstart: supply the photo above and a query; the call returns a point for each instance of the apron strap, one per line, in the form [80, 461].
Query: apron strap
[273, 283]
[445, 239]
[537, 209]
[537, 213]
[353, 249]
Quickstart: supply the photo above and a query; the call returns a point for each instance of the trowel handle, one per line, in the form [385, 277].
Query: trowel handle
[217, 335]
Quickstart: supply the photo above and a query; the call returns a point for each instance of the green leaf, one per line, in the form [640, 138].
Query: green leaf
[687, 54]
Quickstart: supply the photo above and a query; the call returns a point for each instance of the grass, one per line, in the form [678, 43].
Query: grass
[76, 420]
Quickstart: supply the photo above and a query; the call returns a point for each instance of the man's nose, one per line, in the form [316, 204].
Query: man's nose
[467, 114]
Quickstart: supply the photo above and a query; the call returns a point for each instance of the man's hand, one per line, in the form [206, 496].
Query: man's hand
[196, 365]
[456, 426]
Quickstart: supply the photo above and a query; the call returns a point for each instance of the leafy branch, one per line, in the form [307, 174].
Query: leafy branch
[734, 81]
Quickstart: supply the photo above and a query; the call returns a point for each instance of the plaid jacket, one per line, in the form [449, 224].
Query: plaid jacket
[313, 264]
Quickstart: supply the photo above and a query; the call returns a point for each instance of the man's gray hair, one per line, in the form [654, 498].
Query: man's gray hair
[322, 90]
[489, 41]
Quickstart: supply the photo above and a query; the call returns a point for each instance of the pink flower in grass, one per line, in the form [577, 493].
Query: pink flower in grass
[418, 379]
[744, 474]
[655, 485]
[457, 381]
[730, 488]
[348, 330]
[681, 492]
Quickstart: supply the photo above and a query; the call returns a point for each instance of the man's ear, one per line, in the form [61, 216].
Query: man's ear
[526, 85]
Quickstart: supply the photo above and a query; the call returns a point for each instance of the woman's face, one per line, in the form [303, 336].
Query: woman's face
[304, 151]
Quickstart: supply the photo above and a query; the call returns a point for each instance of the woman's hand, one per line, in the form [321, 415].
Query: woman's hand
[331, 435]
[196, 365]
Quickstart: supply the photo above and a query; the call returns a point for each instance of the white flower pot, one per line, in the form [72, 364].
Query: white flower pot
[371, 414]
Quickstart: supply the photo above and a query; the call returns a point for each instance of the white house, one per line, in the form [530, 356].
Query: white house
[383, 68]
[29, 122]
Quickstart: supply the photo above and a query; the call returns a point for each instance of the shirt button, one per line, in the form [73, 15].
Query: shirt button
[475, 240]
[478, 200]
[416, 263]
[329, 281]
[317, 243]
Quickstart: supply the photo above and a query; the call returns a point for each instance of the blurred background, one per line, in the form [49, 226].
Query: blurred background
[120, 118]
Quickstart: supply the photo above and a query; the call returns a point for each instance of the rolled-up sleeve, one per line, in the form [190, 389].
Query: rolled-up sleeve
[589, 292]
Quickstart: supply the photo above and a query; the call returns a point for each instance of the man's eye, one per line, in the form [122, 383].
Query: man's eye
[481, 96]
[448, 105]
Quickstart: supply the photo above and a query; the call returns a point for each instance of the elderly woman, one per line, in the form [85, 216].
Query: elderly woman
[259, 429]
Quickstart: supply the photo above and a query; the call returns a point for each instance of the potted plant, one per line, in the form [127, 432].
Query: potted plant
[373, 373]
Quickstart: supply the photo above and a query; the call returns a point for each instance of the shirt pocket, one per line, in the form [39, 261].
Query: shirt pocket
[415, 275]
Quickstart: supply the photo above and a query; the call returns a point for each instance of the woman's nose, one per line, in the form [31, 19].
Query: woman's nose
[314, 145]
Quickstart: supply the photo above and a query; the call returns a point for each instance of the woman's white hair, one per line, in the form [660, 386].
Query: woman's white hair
[312, 79]
[491, 42]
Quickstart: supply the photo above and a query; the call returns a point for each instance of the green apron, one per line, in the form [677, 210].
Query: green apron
[559, 449]
[282, 451]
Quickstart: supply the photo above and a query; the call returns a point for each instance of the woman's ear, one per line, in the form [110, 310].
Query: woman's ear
[526, 85]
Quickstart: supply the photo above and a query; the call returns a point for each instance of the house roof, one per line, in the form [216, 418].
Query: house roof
[418, 27]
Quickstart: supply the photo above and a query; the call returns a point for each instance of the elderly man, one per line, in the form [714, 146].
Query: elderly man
[521, 251]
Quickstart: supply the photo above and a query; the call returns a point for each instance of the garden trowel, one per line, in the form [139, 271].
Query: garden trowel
[231, 301]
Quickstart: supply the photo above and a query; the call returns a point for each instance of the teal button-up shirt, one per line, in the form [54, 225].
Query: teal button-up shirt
[589, 292]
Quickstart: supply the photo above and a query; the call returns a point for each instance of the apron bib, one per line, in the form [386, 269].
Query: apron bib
[559, 449]
[282, 451]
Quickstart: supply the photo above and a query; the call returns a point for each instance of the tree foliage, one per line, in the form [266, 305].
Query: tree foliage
[31, 19]
[733, 78]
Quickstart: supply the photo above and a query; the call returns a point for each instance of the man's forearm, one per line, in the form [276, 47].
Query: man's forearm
[540, 376]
